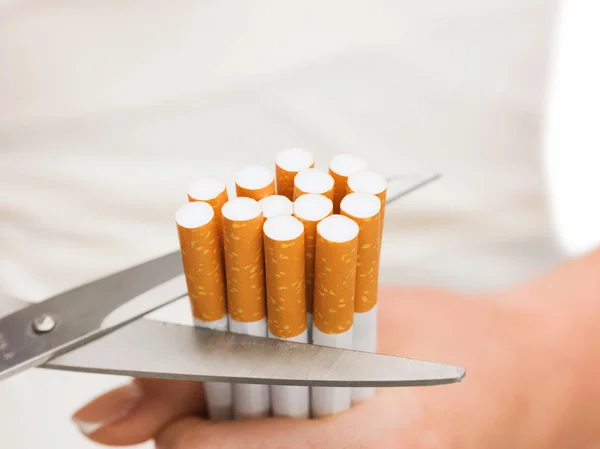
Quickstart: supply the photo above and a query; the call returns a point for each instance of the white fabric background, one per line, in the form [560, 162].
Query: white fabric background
[108, 109]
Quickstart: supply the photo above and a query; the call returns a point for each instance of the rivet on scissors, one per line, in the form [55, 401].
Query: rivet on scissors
[43, 324]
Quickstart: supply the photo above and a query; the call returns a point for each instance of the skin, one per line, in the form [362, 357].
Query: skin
[531, 352]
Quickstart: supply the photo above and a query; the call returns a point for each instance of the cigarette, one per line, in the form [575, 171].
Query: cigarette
[340, 168]
[286, 303]
[204, 274]
[335, 283]
[288, 163]
[310, 209]
[244, 263]
[254, 181]
[275, 205]
[365, 210]
[209, 190]
[313, 180]
[371, 182]
[214, 192]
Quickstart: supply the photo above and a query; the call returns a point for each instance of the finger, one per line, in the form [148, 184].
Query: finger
[137, 411]
[333, 432]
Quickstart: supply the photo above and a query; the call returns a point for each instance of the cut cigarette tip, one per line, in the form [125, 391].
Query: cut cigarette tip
[367, 181]
[275, 205]
[312, 207]
[241, 209]
[194, 215]
[313, 180]
[346, 164]
[254, 177]
[361, 205]
[255, 181]
[294, 159]
[206, 189]
[288, 163]
[338, 229]
[283, 228]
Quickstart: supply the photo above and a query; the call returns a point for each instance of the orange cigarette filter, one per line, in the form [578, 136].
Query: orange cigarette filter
[335, 274]
[254, 181]
[274, 205]
[313, 180]
[340, 168]
[288, 163]
[202, 262]
[214, 192]
[365, 210]
[286, 288]
[310, 209]
[368, 181]
[244, 259]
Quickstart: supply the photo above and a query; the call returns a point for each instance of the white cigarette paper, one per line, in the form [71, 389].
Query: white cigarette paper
[250, 401]
[203, 265]
[364, 339]
[335, 283]
[219, 395]
[244, 262]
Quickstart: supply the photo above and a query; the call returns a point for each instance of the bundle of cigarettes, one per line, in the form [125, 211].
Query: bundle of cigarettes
[295, 256]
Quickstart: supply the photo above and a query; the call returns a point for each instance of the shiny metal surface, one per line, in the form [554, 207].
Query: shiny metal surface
[43, 324]
[401, 185]
[79, 314]
[148, 348]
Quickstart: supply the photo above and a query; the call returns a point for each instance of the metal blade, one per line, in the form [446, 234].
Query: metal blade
[408, 184]
[33, 335]
[148, 348]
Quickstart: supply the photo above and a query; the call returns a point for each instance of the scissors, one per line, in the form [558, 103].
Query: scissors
[100, 327]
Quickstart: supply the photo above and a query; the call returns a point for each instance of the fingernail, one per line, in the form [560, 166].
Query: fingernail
[108, 408]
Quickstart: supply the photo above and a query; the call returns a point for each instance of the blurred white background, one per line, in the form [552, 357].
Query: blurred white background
[108, 109]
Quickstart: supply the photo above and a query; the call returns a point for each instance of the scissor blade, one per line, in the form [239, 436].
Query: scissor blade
[86, 312]
[401, 185]
[148, 348]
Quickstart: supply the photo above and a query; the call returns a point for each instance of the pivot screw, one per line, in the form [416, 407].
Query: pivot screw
[43, 324]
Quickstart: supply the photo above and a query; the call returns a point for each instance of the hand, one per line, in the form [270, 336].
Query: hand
[523, 387]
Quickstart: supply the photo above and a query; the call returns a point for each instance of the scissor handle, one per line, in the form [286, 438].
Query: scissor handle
[36, 333]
